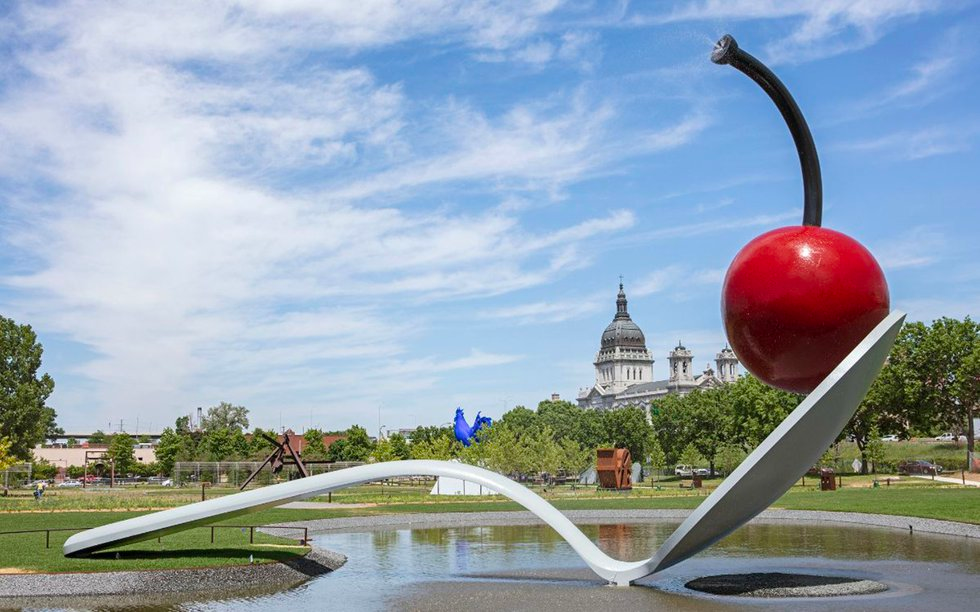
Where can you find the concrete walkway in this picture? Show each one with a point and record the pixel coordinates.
(309, 505)
(469, 519)
(948, 479)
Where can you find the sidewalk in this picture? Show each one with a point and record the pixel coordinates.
(948, 479)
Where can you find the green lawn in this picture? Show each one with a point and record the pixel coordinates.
(951, 504)
(919, 498)
(190, 548)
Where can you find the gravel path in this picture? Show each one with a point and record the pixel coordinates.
(950, 480)
(235, 578)
(466, 519)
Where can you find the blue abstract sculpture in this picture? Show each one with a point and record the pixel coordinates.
(465, 433)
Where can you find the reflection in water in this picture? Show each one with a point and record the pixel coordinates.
(433, 568)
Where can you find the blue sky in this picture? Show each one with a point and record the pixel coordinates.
(323, 209)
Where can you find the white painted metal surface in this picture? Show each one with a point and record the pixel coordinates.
(762, 478)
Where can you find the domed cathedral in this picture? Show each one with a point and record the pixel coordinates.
(624, 367)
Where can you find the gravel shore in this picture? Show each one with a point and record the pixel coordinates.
(212, 580)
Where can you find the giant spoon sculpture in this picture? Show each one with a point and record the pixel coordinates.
(805, 309)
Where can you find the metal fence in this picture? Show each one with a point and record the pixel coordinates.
(251, 531)
(17, 475)
(233, 473)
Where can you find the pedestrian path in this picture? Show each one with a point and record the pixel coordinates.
(959, 481)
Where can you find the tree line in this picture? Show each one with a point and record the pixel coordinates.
(930, 384)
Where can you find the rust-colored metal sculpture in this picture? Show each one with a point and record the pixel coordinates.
(613, 468)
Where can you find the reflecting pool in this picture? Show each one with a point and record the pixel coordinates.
(531, 568)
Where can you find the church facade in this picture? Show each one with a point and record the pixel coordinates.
(624, 367)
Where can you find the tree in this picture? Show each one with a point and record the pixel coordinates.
(757, 409)
(225, 416)
(314, 448)
(399, 446)
(25, 419)
(671, 426)
(875, 449)
(931, 380)
(98, 437)
(520, 419)
(709, 422)
(628, 428)
(691, 456)
(946, 381)
(503, 450)
(429, 433)
(564, 418)
(884, 407)
(168, 449)
(356, 446)
(183, 424)
(574, 457)
(7, 458)
(121, 452)
(260, 445)
(729, 457)
(656, 454)
(383, 451)
(217, 444)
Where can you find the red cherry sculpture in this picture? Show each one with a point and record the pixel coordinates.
(798, 299)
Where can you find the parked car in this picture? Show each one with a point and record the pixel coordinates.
(167, 483)
(702, 472)
(948, 437)
(684, 471)
(889, 438)
(70, 483)
(919, 466)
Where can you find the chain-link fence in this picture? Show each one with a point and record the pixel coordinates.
(233, 473)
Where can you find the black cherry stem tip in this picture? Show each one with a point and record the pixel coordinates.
(726, 51)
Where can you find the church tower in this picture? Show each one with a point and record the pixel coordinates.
(727, 364)
(681, 366)
(623, 359)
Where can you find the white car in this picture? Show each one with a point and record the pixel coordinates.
(70, 483)
(684, 471)
(889, 438)
(947, 437)
(702, 472)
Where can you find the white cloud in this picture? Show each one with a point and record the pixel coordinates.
(910, 145)
(919, 247)
(150, 151)
(676, 279)
(930, 309)
(716, 225)
(548, 312)
(822, 27)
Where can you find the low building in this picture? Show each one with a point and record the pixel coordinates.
(63, 457)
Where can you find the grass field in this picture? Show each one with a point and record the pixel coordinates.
(192, 548)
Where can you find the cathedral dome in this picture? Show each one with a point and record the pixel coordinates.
(622, 331)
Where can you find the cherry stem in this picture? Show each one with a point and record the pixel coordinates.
(727, 52)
